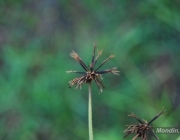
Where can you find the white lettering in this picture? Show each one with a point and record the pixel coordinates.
(167, 130)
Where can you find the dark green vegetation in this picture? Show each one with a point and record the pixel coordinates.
(36, 38)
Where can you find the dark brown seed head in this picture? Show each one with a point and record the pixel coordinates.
(142, 128)
(91, 74)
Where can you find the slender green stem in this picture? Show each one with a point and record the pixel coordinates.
(90, 115)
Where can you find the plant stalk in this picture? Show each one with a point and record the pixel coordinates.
(90, 114)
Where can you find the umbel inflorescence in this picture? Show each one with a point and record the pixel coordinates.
(142, 128)
(91, 73)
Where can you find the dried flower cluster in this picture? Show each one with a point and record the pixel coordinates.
(141, 129)
(91, 74)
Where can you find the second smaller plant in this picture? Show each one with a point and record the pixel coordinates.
(142, 128)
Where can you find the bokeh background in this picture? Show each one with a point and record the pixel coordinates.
(36, 38)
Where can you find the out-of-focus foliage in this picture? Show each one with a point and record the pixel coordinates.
(36, 38)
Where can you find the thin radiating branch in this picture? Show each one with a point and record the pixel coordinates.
(70, 71)
(77, 81)
(112, 70)
(156, 117)
(135, 137)
(77, 58)
(134, 116)
(111, 56)
(99, 84)
(80, 82)
(152, 132)
(129, 130)
(99, 54)
(93, 56)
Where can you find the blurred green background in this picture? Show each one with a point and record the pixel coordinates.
(36, 38)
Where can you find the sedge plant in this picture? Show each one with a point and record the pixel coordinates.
(91, 74)
(142, 128)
